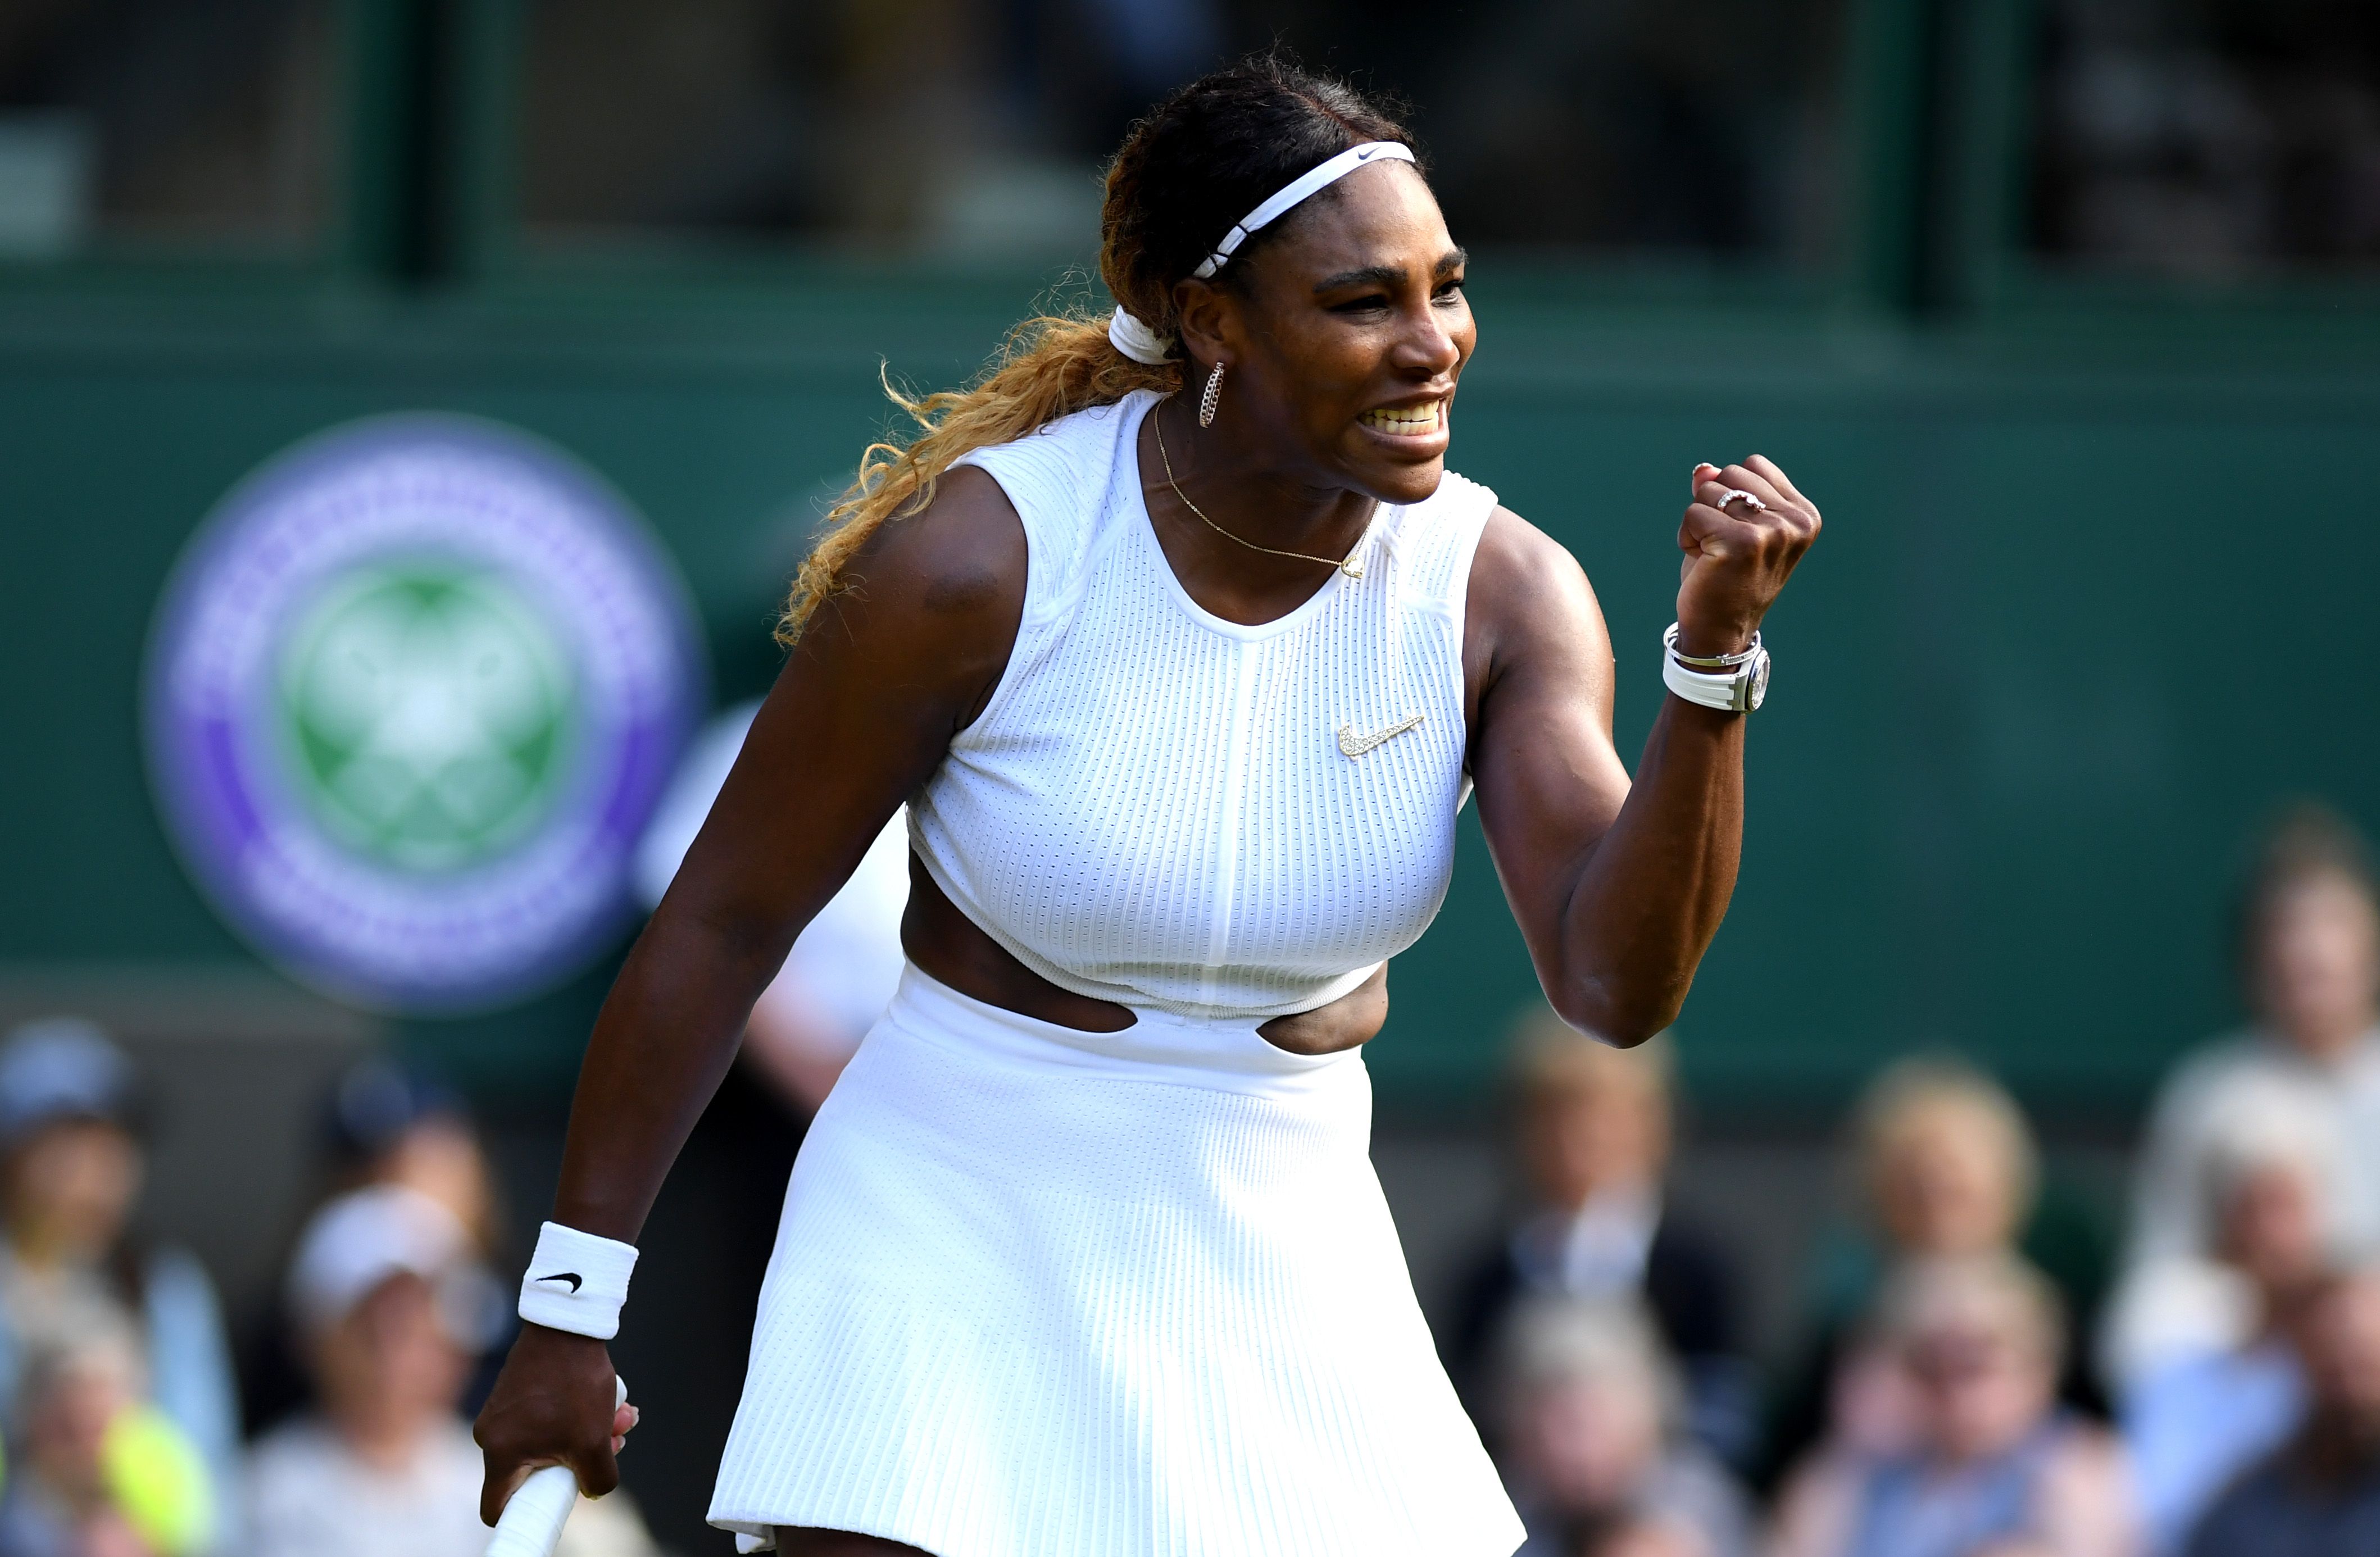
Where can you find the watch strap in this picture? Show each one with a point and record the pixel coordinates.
(1738, 690)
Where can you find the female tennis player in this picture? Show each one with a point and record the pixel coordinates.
(1185, 650)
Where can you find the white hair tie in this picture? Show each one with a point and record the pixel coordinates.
(1137, 341)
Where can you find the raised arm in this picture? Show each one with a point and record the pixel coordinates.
(1618, 888)
(887, 672)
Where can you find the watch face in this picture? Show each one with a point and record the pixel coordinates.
(1757, 693)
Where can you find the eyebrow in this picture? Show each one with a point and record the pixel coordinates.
(1388, 276)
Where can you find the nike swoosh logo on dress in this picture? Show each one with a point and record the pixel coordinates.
(1354, 745)
(570, 1277)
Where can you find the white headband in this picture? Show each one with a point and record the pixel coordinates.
(1141, 344)
(1301, 189)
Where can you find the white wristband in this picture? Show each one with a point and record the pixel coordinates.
(576, 1282)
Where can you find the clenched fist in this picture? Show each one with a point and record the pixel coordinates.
(1738, 553)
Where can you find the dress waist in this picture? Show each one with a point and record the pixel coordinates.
(1218, 1053)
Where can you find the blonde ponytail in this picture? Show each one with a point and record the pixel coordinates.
(1049, 367)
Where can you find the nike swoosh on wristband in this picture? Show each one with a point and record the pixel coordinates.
(1354, 745)
(570, 1277)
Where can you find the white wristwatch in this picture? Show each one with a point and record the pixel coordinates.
(1734, 683)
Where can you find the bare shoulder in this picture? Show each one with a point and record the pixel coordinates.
(961, 556)
(928, 608)
(1529, 598)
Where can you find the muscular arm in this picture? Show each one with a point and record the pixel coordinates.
(865, 707)
(1618, 887)
(888, 672)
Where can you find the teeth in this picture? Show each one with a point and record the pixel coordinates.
(1419, 418)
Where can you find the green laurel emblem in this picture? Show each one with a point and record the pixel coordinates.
(427, 713)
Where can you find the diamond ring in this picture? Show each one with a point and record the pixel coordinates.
(1734, 493)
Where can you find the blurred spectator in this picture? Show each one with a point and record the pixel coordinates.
(386, 1124)
(2199, 1416)
(393, 1125)
(2310, 956)
(1592, 1128)
(1591, 1452)
(101, 1472)
(1993, 1465)
(2319, 1496)
(1946, 1167)
(843, 969)
(385, 1467)
(70, 1168)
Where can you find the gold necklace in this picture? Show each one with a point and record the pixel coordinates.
(1346, 564)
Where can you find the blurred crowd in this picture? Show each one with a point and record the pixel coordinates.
(1977, 1374)
(1981, 1368)
(133, 1424)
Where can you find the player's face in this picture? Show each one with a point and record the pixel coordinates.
(1351, 331)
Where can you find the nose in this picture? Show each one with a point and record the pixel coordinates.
(1428, 349)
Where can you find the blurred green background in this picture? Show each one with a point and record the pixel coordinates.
(2095, 585)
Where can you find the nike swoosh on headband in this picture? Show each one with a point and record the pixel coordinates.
(1354, 745)
(571, 1276)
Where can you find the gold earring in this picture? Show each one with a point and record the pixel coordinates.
(1214, 393)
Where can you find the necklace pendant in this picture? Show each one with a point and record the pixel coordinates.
(1352, 568)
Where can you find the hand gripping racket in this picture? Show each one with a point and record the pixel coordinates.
(532, 1521)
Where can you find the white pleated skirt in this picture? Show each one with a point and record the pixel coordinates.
(1043, 1293)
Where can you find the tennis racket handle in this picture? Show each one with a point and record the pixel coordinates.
(532, 1525)
(532, 1520)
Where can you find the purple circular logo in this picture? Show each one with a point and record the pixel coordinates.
(412, 691)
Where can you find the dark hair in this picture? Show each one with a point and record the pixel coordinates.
(1209, 155)
(376, 1102)
(1200, 161)
(2306, 839)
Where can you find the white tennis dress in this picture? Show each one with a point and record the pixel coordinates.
(1046, 1292)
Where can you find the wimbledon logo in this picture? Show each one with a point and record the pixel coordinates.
(412, 693)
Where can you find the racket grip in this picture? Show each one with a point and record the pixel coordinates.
(532, 1520)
